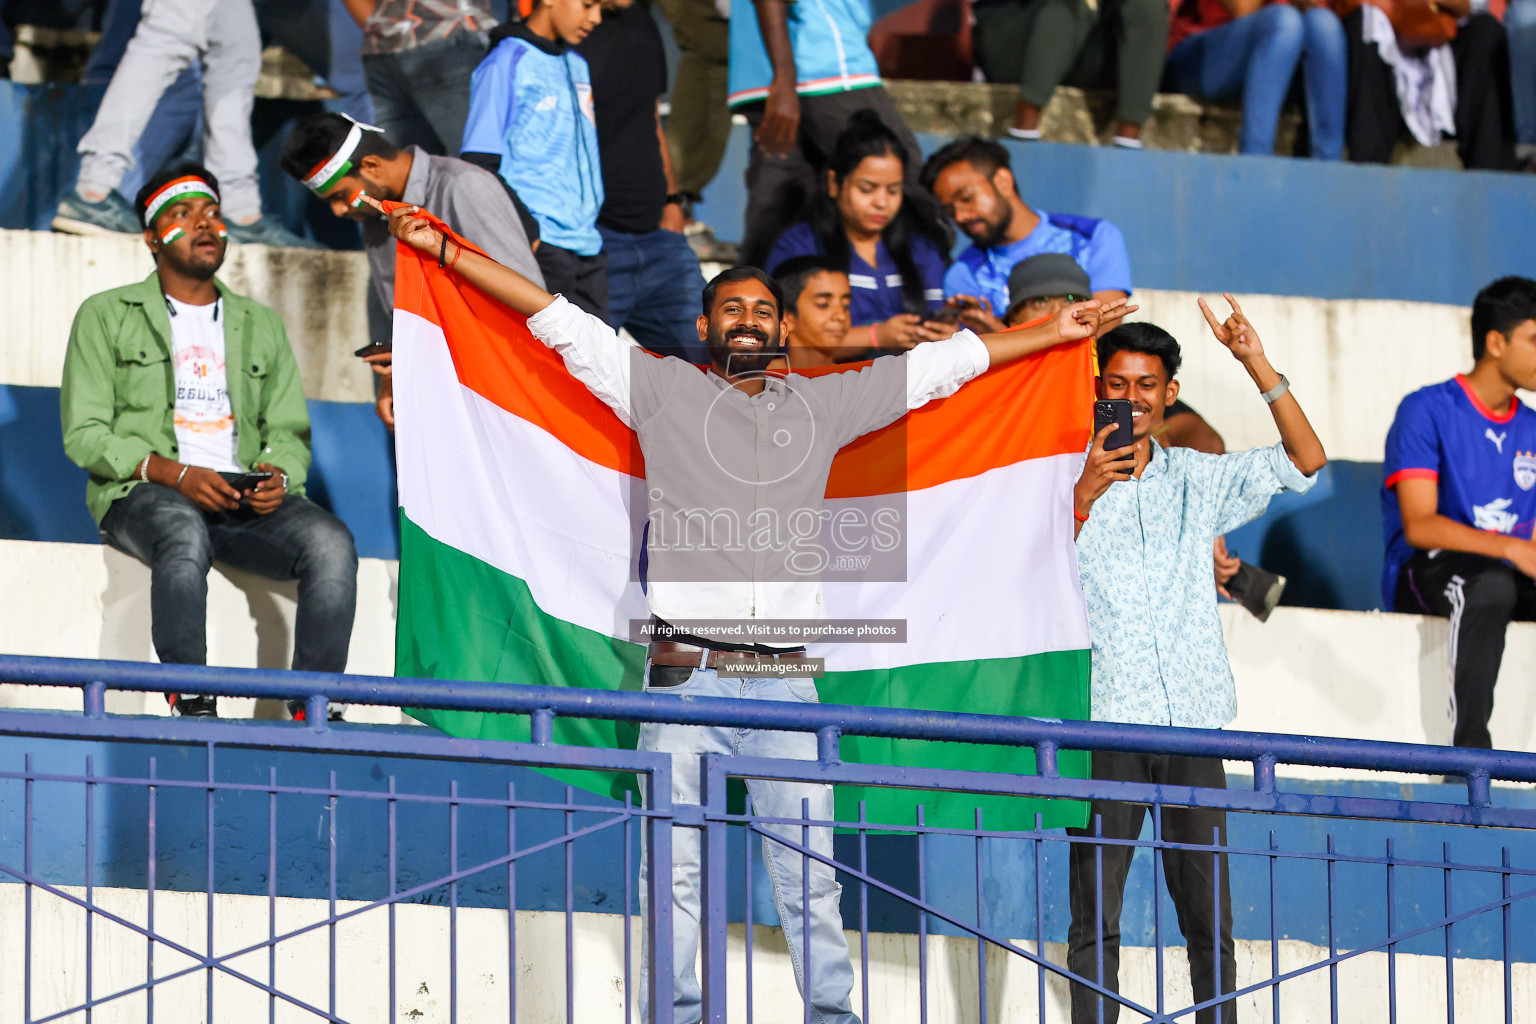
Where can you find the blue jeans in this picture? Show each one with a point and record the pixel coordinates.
(821, 927)
(1255, 57)
(1520, 24)
(421, 95)
(180, 542)
(654, 285)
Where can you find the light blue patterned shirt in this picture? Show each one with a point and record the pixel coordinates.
(1159, 657)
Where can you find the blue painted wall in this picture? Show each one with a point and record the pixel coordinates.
(42, 493)
(1269, 225)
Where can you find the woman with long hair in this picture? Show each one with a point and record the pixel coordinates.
(888, 236)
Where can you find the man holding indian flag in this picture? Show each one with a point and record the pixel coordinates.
(732, 450)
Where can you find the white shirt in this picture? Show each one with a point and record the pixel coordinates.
(205, 422)
(693, 427)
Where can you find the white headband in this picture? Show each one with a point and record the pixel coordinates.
(181, 188)
(323, 178)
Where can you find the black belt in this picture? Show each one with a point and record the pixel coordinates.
(675, 655)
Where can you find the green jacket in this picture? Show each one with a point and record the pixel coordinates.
(118, 396)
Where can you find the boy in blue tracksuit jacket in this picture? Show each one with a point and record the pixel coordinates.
(531, 121)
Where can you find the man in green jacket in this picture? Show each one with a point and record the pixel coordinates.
(175, 391)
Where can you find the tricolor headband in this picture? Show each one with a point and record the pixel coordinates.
(324, 177)
(181, 188)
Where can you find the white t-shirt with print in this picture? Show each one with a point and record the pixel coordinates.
(205, 422)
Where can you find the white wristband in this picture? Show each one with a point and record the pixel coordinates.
(1275, 392)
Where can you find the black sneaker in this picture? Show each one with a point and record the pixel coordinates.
(1257, 590)
(334, 712)
(193, 705)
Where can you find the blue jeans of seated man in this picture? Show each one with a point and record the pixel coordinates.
(1255, 57)
(817, 935)
(180, 542)
(653, 290)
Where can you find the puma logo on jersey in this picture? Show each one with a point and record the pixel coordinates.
(1497, 439)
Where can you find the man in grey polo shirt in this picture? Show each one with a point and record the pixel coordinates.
(342, 160)
(737, 445)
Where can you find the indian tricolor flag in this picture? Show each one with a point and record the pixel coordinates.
(518, 529)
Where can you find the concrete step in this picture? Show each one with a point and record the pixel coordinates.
(1086, 117)
(1361, 675)
(60, 55)
(320, 295)
(424, 976)
(92, 601)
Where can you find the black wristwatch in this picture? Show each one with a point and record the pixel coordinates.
(681, 200)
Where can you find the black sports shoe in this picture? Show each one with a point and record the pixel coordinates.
(333, 711)
(1257, 590)
(193, 705)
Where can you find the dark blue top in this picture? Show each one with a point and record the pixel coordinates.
(1483, 462)
(876, 289)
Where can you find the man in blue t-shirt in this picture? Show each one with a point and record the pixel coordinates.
(973, 182)
(1459, 500)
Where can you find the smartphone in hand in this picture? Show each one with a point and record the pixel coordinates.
(373, 350)
(243, 482)
(1116, 411)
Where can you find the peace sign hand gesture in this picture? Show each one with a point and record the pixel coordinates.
(1235, 332)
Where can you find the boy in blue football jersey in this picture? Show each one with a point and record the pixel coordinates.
(1459, 501)
(531, 121)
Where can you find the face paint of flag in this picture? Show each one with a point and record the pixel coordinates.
(171, 235)
(357, 198)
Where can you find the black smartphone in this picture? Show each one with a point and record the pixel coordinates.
(243, 482)
(946, 315)
(373, 350)
(1116, 411)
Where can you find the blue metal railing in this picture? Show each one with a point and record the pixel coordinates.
(587, 822)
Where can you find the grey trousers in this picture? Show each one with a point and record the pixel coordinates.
(223, 35)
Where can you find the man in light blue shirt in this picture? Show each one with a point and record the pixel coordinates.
(973, 182)
(1147, 517)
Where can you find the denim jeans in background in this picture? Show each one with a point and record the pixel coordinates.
(654, 284)
(1520, 24)
(421, 95)
(831, 984)
(1255, 57)
(180, 542)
